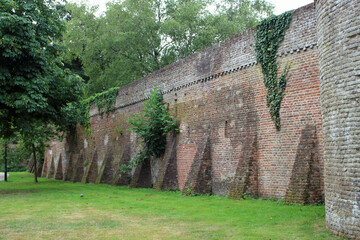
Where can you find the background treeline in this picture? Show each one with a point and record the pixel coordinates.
(18, 155)
(134, 38)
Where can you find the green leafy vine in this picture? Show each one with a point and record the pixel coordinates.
(152, 126)
(269, 34)
(79, 112)
(105, 102)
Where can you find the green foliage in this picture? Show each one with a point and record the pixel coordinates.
(269, 34)
(134, 38)
(105, 101)
(188, 26)
(79, 111)
(236, 16)
(23, 145)
(82, 55)
(17, 155)
(119, 130)
(188, 192)
(36, 140)
(86, 163)
(33, 86)
(112, 48)
(151, 126)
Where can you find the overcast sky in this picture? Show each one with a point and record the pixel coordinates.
(280, 5)
(285, 5)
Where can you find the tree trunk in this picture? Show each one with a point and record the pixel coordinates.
(5, 157)
(35, 167)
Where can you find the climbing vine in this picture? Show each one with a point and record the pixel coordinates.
(79, 112)
(269, 34)
(151, 126)
(105, 102)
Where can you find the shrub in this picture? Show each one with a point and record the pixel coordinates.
(151, 126)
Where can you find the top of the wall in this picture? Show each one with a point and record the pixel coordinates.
(232, 54)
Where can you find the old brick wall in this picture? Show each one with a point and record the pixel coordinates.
(227, 142)
(338, 29)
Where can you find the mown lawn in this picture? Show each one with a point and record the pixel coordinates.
(54, 210)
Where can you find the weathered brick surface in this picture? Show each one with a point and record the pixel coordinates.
(121, 178)
(199, 180)
(59, 170)
(142, 176)
(167, 177)
(338, 29)
(219, 93)
(304, 184)
(51, 170)
(107, 171)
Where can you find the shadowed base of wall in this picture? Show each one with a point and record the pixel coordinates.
(71, 153)
(106, 173)
(69, 169)
(123, 179)
(45, 168)
(91, 172)
(167, 176)
(59, 170)
(142, 176)
(51, 171)
(246, 176)
(305, 182)
(78, 172)
(199, 180)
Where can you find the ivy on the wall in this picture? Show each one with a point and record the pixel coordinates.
(79, 112)
(105, 102)
(269, 34)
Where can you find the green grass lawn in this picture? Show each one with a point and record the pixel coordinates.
(54, 209)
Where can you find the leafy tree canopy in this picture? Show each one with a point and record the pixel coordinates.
(134, 38)
(33, 85)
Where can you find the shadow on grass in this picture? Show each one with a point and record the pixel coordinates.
(19, 191)
(30, 187)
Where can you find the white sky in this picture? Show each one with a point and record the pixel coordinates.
(286, 5)
(280, 5)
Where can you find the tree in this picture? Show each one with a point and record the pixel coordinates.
(17, 154)
(187, 27)
(34, 88)
(115, 49)
(36, 141)
(243, 14)
(81, 31)
(28, 147)
(135, 38)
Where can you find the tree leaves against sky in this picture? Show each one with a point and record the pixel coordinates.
(134, 38)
